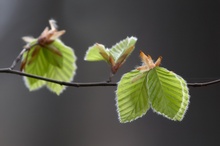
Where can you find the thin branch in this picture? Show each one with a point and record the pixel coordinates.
(204, 83)
(91, 84)
(73, 84)
(18, 58)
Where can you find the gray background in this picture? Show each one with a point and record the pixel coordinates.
(185, 32)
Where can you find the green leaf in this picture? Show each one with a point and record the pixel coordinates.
(168, 92)
(53, 55)
(132, 96)
(95, 52)
(123, 48)
(64, 73)
(50, 64)
(35, 65)
(118, 52)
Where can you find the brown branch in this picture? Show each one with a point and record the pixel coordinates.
(91, 84)
(73, 84)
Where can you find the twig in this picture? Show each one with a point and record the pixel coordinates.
(73, 84)
(110, 77)
(18, 58)
(204, 83)
(91, 84)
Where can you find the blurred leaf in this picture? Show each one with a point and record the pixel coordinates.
(115, 56)
(168, 92)
(35, 64)
(94, 53)
(53, 55)
(123, 48)
(58, 65)
(64, 73)
(132, 97)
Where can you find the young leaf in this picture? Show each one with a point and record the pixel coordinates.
(132, 96)
(36, 64)
(168, 92)
(48, 57)
(123, 48)
(151, 86)
(53, 55)
(64, 73)
(115, 56)
(45, 64)
(95, 52)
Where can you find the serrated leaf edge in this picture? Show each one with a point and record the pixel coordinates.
(117, 107)
(174, 118)
(184, 94)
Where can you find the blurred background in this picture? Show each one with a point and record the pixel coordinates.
(186, 33)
